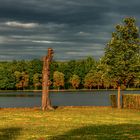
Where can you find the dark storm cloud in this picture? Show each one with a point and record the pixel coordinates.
(73, 28)
(59, 11)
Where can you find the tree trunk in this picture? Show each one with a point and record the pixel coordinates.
(119, 97)
(46, 103)
(90, 88)
(98, 87)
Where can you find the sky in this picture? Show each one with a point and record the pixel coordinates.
(75, 29)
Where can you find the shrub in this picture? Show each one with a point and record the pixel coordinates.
(131, 101)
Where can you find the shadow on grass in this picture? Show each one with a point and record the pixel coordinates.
(9, 133)
(102, 132)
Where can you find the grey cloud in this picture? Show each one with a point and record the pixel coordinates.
(74, 28)
(55, 11)
(21, 25)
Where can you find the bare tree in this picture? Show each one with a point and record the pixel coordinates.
(46, 104)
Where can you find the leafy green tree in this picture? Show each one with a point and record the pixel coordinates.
(25, 80)
(104, 77)
(98, 79)
(122, 54)
(37, 80)
(113, 84)
(7, 80)
(80, 70)
(106, 82)
(22, 79)
(58, 79)
(75, 81)
(34, 66)
(18, 77)
(20, 65)
(89, 63)
(89, 80)
(53, 67)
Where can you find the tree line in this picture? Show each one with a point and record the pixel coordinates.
(121, 62)
(28, 74)
(74, 74)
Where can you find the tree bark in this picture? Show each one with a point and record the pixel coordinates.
(46, 103)
(119, 97)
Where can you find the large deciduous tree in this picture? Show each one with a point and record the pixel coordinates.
(122, 54)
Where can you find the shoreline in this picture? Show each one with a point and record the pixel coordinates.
(71, 90)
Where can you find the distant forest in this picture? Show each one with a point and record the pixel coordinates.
(74, 74)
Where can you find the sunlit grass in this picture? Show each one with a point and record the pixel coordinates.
(87, 123)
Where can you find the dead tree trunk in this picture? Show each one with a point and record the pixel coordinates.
(46, 103)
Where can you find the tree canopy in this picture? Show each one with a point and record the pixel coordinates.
(122, 53)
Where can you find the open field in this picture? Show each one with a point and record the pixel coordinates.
(69, 123)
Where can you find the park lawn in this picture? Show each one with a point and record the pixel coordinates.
(69, 123)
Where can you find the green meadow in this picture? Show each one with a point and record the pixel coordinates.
(69, 123)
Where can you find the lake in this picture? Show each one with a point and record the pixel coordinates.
(77, 98)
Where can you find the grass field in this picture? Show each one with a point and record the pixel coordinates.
(78, 123)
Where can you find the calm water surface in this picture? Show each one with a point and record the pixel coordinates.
(33, 99)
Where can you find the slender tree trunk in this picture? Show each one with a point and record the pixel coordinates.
(98, 87)
(119, 97)
(90, 88)
(46, 103)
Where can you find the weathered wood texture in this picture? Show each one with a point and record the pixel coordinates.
(46, 104)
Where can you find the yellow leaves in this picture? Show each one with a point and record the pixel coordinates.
(58, 78)
(75, 81)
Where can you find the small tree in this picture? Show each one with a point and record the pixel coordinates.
(98, 79)
(7, 78)
(37, 80)
(18, 77)
(75, 81)
(58, 79)
(25, 79)
(22, 79)
(89, 80)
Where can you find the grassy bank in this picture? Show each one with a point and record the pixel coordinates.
(78, 123)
